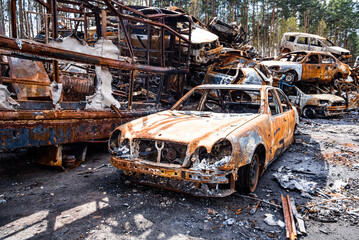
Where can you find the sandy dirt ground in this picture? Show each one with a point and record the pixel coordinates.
(95, 201)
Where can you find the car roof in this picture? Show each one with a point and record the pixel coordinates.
(307, 52)
(233, 86)
(304, 34)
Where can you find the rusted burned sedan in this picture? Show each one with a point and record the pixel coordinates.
(317, 105)
(216, 139)
(308, 66)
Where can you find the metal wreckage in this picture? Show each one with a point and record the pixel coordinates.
(85, 79)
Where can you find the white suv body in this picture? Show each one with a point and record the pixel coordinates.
(296, 41)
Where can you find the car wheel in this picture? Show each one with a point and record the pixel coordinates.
(308, 112)
(249, 175)
(290, 77)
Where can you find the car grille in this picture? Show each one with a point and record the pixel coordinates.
(338, 104)
(171, 152)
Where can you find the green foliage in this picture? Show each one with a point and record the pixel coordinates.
(322, 28)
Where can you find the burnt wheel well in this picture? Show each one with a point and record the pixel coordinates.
(261, 151)
(292, 71)
(285, 50)
(338, 75)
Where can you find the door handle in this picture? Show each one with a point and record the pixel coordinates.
(318, 67)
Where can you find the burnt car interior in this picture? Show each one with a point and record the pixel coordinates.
(222, 101)
(293, 57)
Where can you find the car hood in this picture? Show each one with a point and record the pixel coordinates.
(186, 126)
(201, 36)
(338, 49)
(329, 97)
(279, 63)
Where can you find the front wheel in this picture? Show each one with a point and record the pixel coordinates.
(308, 112)
(249, 175)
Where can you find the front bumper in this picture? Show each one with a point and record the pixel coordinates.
(203, 183)
(333, 111)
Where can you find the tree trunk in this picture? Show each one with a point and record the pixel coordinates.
(257, 26)
(263, 30)
(213, 10)
(21, 20)
(206, 11)
(272, 32)
(232, 11)
(253, 23)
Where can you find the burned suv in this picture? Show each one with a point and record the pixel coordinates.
(296, 41)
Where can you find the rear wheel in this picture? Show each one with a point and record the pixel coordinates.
(290, 77)
(249, 175)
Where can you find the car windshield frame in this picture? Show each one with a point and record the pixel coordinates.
(292, 57)
(327, 42)
(222, 100)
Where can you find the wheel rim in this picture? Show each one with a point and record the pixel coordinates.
(289, 78)
(253, 173)
(308, 112)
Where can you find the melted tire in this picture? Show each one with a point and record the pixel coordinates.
(308, 112)
(248, 175)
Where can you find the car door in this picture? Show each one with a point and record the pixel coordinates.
(329, 67)
(302, 43)
(315, 45)
(312, 69)
(289, 116)
(278, 126)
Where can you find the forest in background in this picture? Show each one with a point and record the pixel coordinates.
(264, 20)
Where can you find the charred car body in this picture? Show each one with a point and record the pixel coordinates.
(317, 105)
(215, 139)
(296, 41)
(204, 47)
(236, 67)
(308, 66)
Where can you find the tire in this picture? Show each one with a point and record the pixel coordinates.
(290, 77)
(249, 175)
(308, 112)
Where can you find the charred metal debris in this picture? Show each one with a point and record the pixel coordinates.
(79, 78)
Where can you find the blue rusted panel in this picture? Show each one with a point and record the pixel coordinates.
(17, 134)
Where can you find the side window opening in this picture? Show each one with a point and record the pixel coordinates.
(302, 40)
(290, 38)
(314, 42)
(327, 59)
(273, 103)
(313, 59)
(283, 101)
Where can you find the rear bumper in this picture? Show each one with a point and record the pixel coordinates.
(203, 183)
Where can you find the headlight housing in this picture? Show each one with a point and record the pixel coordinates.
(324, 102)
(118, 146)
(220, 155)
(115, 139)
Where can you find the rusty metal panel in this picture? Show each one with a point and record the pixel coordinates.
(20, 129)
(30, 70)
